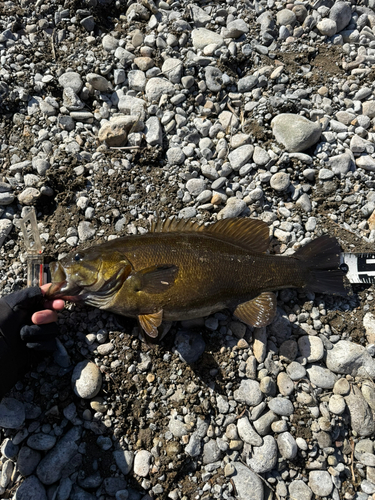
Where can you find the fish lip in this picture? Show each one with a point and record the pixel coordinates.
(63, 290)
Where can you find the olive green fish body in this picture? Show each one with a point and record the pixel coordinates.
(182, 270)
(212, 275)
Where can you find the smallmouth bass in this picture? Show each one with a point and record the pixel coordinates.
(182, 270)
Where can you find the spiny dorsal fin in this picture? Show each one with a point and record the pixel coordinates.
(251, 234)
(174, 225)
(259, 311)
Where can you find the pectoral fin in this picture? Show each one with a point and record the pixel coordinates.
(150, 323)
(156, 279)
(259, 311)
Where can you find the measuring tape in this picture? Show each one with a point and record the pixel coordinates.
(358, 267)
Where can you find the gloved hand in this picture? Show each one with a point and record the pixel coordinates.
(17, 334)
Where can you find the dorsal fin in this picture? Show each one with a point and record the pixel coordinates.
(251, 234)
(174, 225)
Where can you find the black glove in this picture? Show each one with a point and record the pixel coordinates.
(17, 334)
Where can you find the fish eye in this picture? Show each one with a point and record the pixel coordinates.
(78, 257)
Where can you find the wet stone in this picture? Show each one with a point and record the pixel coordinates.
(8, 449)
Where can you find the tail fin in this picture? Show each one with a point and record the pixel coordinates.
(322, 260)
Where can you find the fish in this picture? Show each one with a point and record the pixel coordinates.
(181, 270)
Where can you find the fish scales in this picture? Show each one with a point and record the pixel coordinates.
(209, 269)
(182, 271)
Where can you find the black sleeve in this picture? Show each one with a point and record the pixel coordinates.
(15, 358)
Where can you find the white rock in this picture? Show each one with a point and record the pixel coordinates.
(295, 132)
(311, 348)
(320, 482)
(233, 208)
(366, 162)
(156, 87)
(86, 379)
(142, 462)
(337, 404)
(202, 37)
(348, 358)
(98, 82)
(240, 156)
(29, 196)
(172, 69)
(327, 27)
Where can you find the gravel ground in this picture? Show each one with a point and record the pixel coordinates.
(113, 113)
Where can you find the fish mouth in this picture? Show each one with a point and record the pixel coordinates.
(60, 287)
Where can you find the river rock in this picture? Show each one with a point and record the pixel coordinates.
(348, 358)
(327, 27)
(142, 462)
(115, 131)
(295, 132)
(240, 156)
(50, 468)
(249, 393)
(311, 348)
(86, 379)
(31, 489)
(247, 433)
(263, 458)
(341, 14)
(245, 481)
(361, 416)
(201, 37)
(12, 413)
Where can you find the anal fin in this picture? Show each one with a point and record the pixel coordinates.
(150, 323)
(258, 312)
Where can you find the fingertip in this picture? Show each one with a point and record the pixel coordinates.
(58, 304)
(44, 317)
